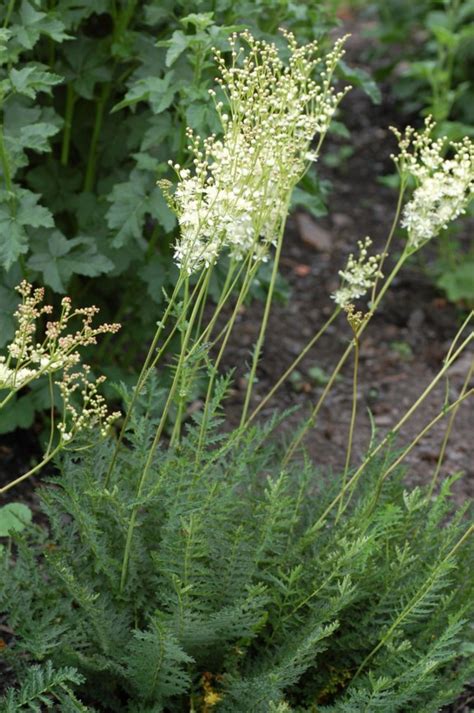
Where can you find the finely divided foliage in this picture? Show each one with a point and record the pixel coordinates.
(228, 576)
(193, 569)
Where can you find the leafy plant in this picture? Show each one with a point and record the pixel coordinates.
(94, 99)
(209, 569)
(241, 591)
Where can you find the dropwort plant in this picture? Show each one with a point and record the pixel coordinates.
(192, 570)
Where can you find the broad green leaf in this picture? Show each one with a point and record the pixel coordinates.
(459, 283)
(130, 203)
(18, 413)
(8, 303)
(33, 79)
(159, 93)
(72, 12)
(160, 210)
(313, 203)
(14, 517)
(155, 14)
(32, 23)
(17, 212)
(5, 36)
(85, 63)
(28, 127)
(36, 136)
(360, 78)
(63, 258)
(154, 274)
(199, 20)
(445, 37)
(176, 46)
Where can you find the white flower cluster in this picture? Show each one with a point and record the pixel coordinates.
(29, 359)
(238, 193)
(444, 185)
(13, 378)
(359, 275)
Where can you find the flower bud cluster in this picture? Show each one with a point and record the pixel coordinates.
(28, 358)
(444, 186)
(237, 195)
(58, 352)
(358, 277)
(86, 412)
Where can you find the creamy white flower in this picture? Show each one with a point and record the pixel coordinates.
(359, 275)
(444, 185)
(11, 378)
(237, 196)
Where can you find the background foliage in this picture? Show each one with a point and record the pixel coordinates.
(94, 100)
(425, 50)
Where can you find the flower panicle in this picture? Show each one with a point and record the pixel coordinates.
(58, 353)
(358, 277)
(443, 173)
(237, 193)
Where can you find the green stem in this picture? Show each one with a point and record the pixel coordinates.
(68, 115)
(263, 325)
(147, 366)
(424, 589)
(51, 399)
(34, 470)
(8, 15)
(181, 401)
(4, 161)
(158, 434)
(352, 481)
(294, 364)
(454, 411)
(92, 157)
(225, 335)
(294, 444)
(391, 234)
(352, 423)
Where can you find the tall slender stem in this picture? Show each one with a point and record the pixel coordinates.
(352, 422)
(452, 416)
(225, 334)
(158, 434)
(391, 234)
(264, 323)
(32, 471)
(92, 157)
(353, 480)
(424, 589)
(8, 14)
(147, 365)
(177, 424)
(310, 422)
(294, 364)
(5, 164)
(68, 114)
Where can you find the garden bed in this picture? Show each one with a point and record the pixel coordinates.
(401, 352)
